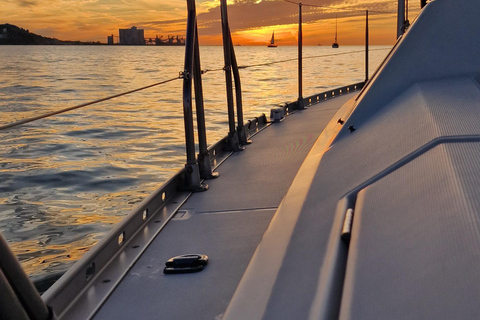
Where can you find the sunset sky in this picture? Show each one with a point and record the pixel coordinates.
(251, 21)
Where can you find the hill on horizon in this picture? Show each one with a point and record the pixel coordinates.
(13, 35)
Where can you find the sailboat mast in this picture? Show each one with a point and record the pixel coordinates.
(335, 44)
(336, 29)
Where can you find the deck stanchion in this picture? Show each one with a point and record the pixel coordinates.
(300, 66)
(400, 18)
(241, 131)
(204, 163)
(232, 138)
(366, 46)
(191, 180)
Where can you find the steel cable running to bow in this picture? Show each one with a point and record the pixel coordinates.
(292, 59)
(351, 9)
(53, 113)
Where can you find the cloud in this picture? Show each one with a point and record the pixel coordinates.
(26, 3)
(251, 14)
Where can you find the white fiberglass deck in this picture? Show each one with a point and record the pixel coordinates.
(226, 223)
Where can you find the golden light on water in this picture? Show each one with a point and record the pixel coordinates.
(36, 255)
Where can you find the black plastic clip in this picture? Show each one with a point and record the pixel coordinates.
(186, 263)
(185, 75)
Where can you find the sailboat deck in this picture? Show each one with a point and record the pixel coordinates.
(226, 223)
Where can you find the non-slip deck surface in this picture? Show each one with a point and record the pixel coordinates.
(226, 223)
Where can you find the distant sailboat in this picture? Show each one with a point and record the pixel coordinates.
(335, 44)
(272, 41)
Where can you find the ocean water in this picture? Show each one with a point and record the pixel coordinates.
(66, 180)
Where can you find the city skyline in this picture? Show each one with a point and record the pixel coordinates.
(251, 21)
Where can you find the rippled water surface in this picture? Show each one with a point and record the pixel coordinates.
(66, 180)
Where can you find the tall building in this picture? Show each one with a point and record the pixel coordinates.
(132, 36)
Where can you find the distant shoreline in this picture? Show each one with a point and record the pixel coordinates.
(13, 35)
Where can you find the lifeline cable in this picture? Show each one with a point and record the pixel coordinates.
(53, 113)
(338, 9)
(293, 59)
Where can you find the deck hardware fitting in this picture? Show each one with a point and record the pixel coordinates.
(90, 271)
(186, 263)
(242, 135)
(277, 114)
(340, 121)
(184, 75)
(121, 238)
(204, 164)
(232, 143)
(190, 179)
(347, 226)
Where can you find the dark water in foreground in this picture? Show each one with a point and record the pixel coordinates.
(65, 181)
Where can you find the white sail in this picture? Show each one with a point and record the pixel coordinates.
(272, 41)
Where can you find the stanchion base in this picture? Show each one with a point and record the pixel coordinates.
(232, 143)
(190, 180)
(242, 136)
(300, 105)
(205, 167)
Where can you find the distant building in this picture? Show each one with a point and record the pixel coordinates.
(132, 36)
(110, 39)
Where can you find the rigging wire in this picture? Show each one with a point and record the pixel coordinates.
(53, 113)
(352, 9)
(293, 59)
(309, 57)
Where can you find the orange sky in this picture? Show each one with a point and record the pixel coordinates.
(251, 21)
